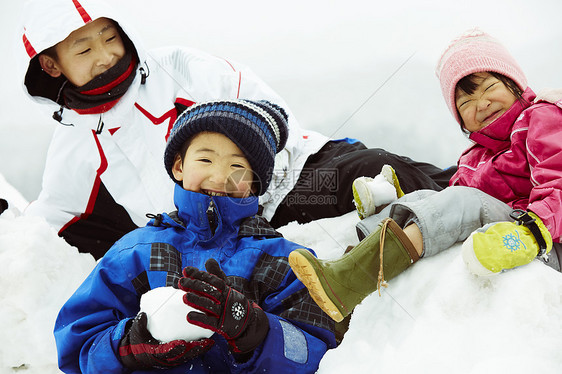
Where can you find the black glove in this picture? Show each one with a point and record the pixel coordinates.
(3, 205)
(138, 349)
(225, 310)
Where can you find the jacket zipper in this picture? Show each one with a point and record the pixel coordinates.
(211, 216)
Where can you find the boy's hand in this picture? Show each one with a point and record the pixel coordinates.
(225, 310)
(138, 349)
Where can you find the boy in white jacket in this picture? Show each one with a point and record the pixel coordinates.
(116, 103)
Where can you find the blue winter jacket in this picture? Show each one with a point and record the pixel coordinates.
(91, 324)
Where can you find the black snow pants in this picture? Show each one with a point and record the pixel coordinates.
(324, 186)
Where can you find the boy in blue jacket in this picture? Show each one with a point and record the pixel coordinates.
(221, 155)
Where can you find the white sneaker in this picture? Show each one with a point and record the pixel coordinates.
(370, 194)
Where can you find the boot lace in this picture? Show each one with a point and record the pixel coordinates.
(380, 278)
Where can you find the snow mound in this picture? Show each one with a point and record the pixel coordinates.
(437, 317)
(39, 273)
(16, 201)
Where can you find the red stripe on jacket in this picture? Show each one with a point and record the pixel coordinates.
(95, 189)
(28, 47)
(31, 52)
(85, 16)
(171, 114)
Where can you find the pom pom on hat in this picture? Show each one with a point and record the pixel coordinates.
(258, 128)
(474, 52)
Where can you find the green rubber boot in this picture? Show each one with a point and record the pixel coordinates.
(337, 286)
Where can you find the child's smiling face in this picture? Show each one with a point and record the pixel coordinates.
(86, 52)
(215, 166)
(489, 101)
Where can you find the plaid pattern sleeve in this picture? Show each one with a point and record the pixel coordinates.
(271, 276)
(257, 226)
(164, 257)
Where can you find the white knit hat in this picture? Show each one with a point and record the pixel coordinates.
(473, 52)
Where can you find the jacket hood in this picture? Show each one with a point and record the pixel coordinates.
(46, 23)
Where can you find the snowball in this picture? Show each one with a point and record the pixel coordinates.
(167, 316)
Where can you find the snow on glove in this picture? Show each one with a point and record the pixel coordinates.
(138, 349)
(225, 310)
(504, 245)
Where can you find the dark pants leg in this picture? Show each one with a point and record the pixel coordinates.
(96, 232)
(324, 186)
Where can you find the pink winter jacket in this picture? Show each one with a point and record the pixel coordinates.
(518, 160)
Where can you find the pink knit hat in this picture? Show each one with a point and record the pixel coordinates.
(474, 52)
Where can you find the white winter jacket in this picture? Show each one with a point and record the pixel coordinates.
(126, 156)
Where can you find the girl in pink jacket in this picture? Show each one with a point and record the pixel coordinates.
(504, 201)
(517, 152)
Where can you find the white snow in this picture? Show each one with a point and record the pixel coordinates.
(166, 314)
(39, 273)
(339, 66)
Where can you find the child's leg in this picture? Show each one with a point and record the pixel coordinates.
(370, 224)
(324, 187)
(337, 286)
(449, 216)
(414, 233)
(435, 219)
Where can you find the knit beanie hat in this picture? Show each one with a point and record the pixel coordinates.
(474, 52)
(258, 128)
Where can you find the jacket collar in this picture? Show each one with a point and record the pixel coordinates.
(496, 136)
(194, 209)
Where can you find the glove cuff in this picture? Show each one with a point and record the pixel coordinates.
(537, 228)
(254, 334)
